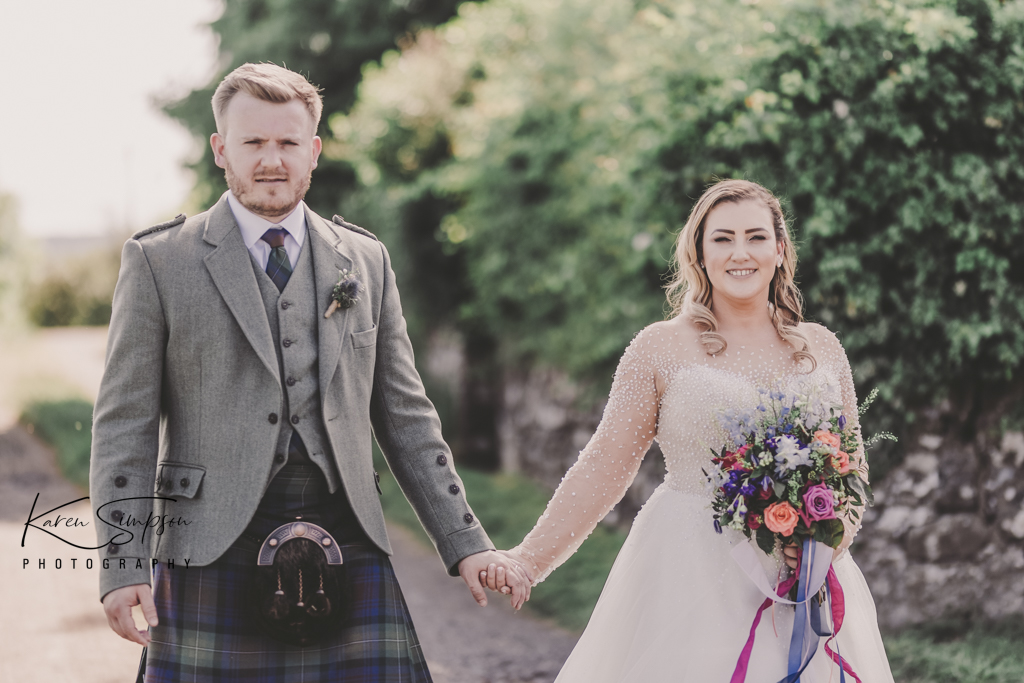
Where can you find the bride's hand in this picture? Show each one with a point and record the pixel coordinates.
(518, 565)
(791, 553)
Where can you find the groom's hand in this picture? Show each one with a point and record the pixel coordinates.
(118, 605)
(475, 570)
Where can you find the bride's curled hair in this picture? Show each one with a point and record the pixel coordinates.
(689, 292)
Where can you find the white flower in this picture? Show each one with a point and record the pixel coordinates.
(789, 455)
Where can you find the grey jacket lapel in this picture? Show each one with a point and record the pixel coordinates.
(328, 259)
(230, 268)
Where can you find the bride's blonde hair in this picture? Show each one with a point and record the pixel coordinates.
(689, 292)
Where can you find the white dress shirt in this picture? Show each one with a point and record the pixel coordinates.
(253, 227)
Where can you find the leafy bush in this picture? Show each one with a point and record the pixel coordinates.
(951, 652)
(74, 290)
(67, 426)
(567, 142)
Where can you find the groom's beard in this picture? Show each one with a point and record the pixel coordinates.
(275, 200)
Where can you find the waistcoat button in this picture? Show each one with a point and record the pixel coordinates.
(290, 381)
(286, 343)
(441, 460)
(468, 517)
(454, 488)
(120, 481)
(272, 418)
(295, 419)
(279, 457)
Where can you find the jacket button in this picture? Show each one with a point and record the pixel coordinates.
(468, 517)
(442, 460)
(116, 515)
(285, 305)
(272, 418)
(113, 549)
(295, 419)
(184, 482)
(454, 488)
(286, 343)
(120, 481)
(279, 457)
(290, 381)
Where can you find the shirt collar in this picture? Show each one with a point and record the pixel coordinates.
(253, 226)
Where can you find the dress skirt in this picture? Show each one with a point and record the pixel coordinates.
(207, 632)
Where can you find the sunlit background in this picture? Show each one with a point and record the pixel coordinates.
(528, 163)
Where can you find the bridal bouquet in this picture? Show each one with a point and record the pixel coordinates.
(786, 476)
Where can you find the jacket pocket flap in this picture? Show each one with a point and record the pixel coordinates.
(365, 338)
(178, 480)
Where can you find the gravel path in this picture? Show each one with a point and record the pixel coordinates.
(53, 627)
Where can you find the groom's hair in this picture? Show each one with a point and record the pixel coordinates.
(268, 82)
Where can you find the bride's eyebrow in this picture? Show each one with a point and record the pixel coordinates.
(733, 232)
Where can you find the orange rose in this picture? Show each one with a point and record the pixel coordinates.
(828, 438)
(781, 518)
(841, 461)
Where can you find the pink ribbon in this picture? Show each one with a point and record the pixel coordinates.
(740, 673)
(838, 601)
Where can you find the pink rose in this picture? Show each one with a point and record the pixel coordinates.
(819, 503)
(841, 461)
(781, 518)
(828, 438)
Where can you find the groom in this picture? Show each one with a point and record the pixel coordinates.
(224, 376)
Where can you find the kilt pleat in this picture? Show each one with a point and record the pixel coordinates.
(207, 632)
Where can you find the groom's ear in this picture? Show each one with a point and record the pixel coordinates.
(217, 145)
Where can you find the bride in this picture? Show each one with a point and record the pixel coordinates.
(676, 606)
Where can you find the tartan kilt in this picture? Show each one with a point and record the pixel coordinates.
(207, 633)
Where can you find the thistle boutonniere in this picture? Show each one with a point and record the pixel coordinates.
(346, 292)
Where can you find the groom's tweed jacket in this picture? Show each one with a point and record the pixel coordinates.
(192, 398)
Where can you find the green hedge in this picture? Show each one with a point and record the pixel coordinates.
(67, 426)
(536, 158)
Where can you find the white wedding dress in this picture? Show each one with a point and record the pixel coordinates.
(676, 606)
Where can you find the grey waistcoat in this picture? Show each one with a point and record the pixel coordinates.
(293, 318)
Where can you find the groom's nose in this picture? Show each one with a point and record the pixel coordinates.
(271, 159)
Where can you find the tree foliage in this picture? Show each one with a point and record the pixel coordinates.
(567, 142)
(328, 41)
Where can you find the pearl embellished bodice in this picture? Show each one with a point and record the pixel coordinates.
(667, 387)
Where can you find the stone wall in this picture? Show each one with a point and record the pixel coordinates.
(946, 534)
(945, 537)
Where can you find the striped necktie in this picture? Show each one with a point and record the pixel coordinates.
(279, 268)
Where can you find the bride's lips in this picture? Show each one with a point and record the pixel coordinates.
(742, 272)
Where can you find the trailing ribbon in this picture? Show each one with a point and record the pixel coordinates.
(838, 602)
(815, 570)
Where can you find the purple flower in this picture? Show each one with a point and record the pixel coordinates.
(819, 503)
(842, 422)
(718, 527)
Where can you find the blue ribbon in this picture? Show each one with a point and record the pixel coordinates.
(807, 631)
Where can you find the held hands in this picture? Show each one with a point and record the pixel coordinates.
(493, 570)
(118, 606)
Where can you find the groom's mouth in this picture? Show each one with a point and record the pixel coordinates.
(271, 180)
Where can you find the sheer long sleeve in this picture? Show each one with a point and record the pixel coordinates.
(853, 515)
(605, 468)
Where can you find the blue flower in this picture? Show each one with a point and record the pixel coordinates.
(718, 527)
